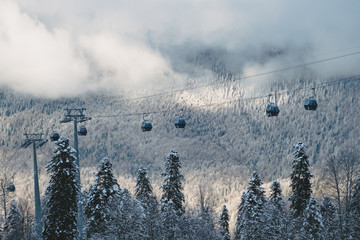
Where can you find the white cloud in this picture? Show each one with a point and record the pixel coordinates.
(67, 47)
(55, 62)
(123, 62)
(36, 60)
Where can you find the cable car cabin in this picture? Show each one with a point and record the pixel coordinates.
(10, 187)
(146, 126)
(272, 110)
(54, 136)
(310, 104)
(82, 131)
(180, 123)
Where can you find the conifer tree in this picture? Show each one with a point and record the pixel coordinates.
(143, 188)
(313, 227)
(100, 195)
(63, 192)
(355, 210)
(143, 193)
(1, 229)
(152, 220)
(330, 219)
(206, 227)
(27, 218)
(172, 186)
(224, 224)
(276, 214)
(250, 221)
(300, 181)
(127, 218)
(170, 222)
(13, 224)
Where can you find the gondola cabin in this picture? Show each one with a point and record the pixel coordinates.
(82, 131)
(146, 126)
(10, 187)
(54, 136)
(310, 104)
(180, 123)
(272, 110)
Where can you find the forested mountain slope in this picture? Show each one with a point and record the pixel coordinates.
(227, 134)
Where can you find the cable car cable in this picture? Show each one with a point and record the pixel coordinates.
(321, 85)
(165, 91)
(7, 161)
(242, 78)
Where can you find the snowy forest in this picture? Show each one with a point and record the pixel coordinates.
(216, 120)
(111, 212)
(212, 185)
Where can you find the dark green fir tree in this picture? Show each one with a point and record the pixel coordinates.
(144, 194)
(330, 219)
(127, 220)
(13, 224)
(224, 224)
(63, 193)
(143, 188)
(172, 184)
(250, 222)
(300, 181)
(276, 215)
(100, 196)
(313, 227)
(355, 210)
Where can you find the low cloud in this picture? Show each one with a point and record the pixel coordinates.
(34, 59)
(55, 62)
(57, 48)
(126, 63)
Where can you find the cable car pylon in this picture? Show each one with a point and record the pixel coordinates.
(77, 116)
(36, 140)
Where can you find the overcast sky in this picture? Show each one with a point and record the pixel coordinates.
(56, 48)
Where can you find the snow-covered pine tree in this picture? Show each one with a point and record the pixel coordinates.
(355, 210)
(143, 193)
(1, 229)
(152, 219)
(44, 210)
(250, 221)
(206, 229)
(330, 219)
(170, 222)
(188, 224)
(224, 224)
(205, 226)
(63, 192)
(276, 214)
(27, 218)
(99, 197)
(172, 186)
(143, 188)
(127, 218)
(313, 228)
(300, 181)
(13, 224)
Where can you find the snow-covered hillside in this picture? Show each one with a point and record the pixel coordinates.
(226, 137)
